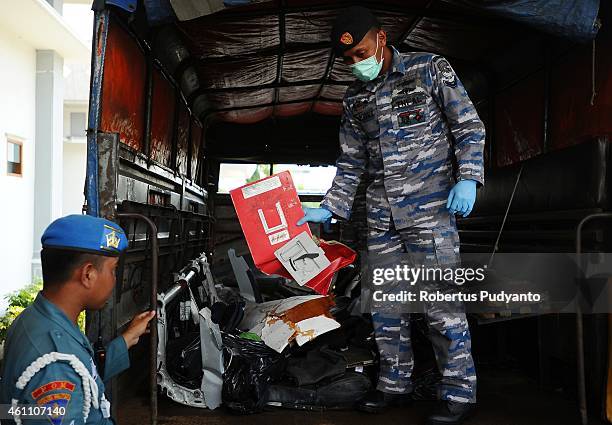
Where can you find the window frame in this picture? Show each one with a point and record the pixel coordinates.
(83, 133)
(15, 141)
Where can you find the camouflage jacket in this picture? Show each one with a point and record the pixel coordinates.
(416, 132)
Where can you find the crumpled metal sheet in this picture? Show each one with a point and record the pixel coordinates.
(280, 322)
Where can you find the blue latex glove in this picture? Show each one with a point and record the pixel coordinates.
(462, 197)
(315, 215)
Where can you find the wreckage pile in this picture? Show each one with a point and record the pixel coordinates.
(284, 330)
(259, 342)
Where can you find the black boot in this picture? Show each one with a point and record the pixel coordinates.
(451, 413)
(376, 400)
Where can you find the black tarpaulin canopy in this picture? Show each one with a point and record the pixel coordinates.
(252, 61)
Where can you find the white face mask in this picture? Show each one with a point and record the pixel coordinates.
(369, 68)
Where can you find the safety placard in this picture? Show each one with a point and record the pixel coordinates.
(268, 210)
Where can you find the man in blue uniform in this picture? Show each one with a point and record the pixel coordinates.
(409, 123)
(48, 361)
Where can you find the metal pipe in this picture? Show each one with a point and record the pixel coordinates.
(153, 323)
(582, 403)
(181, 283)
(173, 292)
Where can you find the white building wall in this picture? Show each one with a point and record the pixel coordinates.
(76, 95)
(17, 117)
(75, 157)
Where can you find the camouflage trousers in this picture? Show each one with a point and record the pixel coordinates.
(448, 327)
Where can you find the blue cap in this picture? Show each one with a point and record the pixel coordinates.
(85, 233)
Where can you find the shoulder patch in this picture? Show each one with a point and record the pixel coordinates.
(52, 386)
(447, 75)
(55, 404)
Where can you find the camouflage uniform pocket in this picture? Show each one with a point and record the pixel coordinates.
(446, 245)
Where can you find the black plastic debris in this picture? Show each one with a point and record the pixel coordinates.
(315, 366)
(250, 367)
(334, 393)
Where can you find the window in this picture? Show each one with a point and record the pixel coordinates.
(308, 180)
(14, 157)
(78, 124)
(232, 176)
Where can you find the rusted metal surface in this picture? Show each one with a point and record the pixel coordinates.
(573, 118)
(519, 121)
(101, 21)
(196, 149)
(182, 138)
(162, 121)
(123, 88)
(102, 324)
(108, 156)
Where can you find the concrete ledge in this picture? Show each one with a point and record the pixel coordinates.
(40, 25)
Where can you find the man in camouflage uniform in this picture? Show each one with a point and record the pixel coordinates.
(410, 124)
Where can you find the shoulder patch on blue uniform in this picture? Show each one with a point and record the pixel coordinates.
(447, 75)
(56, 404)
(52, 386)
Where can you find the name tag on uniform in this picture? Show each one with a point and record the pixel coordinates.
(412, 117)
(409, 100)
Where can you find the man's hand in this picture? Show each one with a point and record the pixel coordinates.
(137, 327)
(462, 197)
(315, 215)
